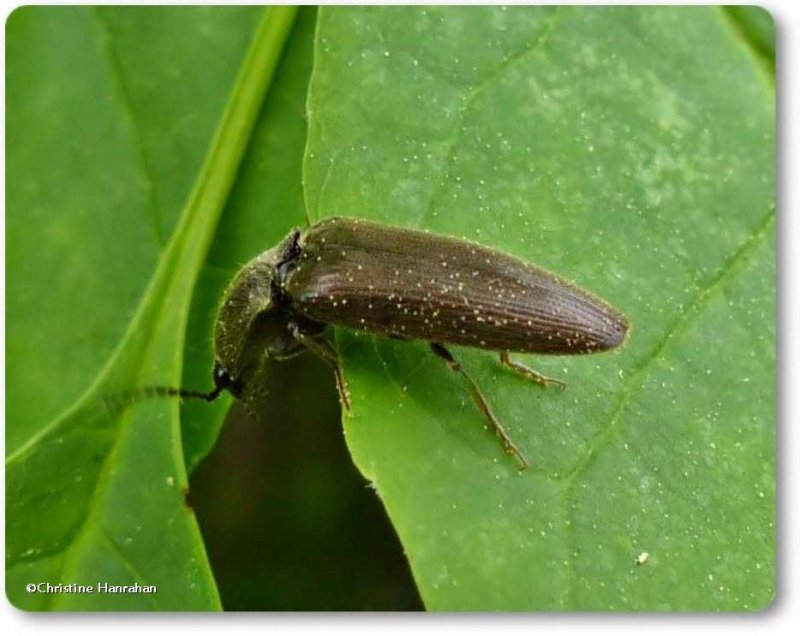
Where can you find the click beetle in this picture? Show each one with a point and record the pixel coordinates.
(399, 283)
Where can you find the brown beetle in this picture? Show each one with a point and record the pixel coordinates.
(400, 283)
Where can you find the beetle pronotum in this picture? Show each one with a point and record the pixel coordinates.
(399, 283)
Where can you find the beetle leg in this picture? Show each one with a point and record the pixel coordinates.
(323, 349)
(526, 372)
(483, 405)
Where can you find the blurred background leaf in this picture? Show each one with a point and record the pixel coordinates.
(104, 146)
(632, 150)
(116, 180)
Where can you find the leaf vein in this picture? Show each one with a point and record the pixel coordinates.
(468, 101)
(570, 478)
(136, 134)
(700, 300)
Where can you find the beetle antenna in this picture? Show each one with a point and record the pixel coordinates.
(168, 391)
(120, 401)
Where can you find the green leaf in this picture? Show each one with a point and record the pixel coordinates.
(632, 150)
(647, 133)
(116, 117)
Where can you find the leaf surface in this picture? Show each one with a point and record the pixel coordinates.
(631, 150)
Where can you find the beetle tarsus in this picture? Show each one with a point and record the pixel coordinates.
(527, 372)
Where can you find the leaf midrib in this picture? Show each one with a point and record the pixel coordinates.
(181, 260)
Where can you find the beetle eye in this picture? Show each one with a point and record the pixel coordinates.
(222, 379)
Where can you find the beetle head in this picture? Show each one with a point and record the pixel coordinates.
(251, 320)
